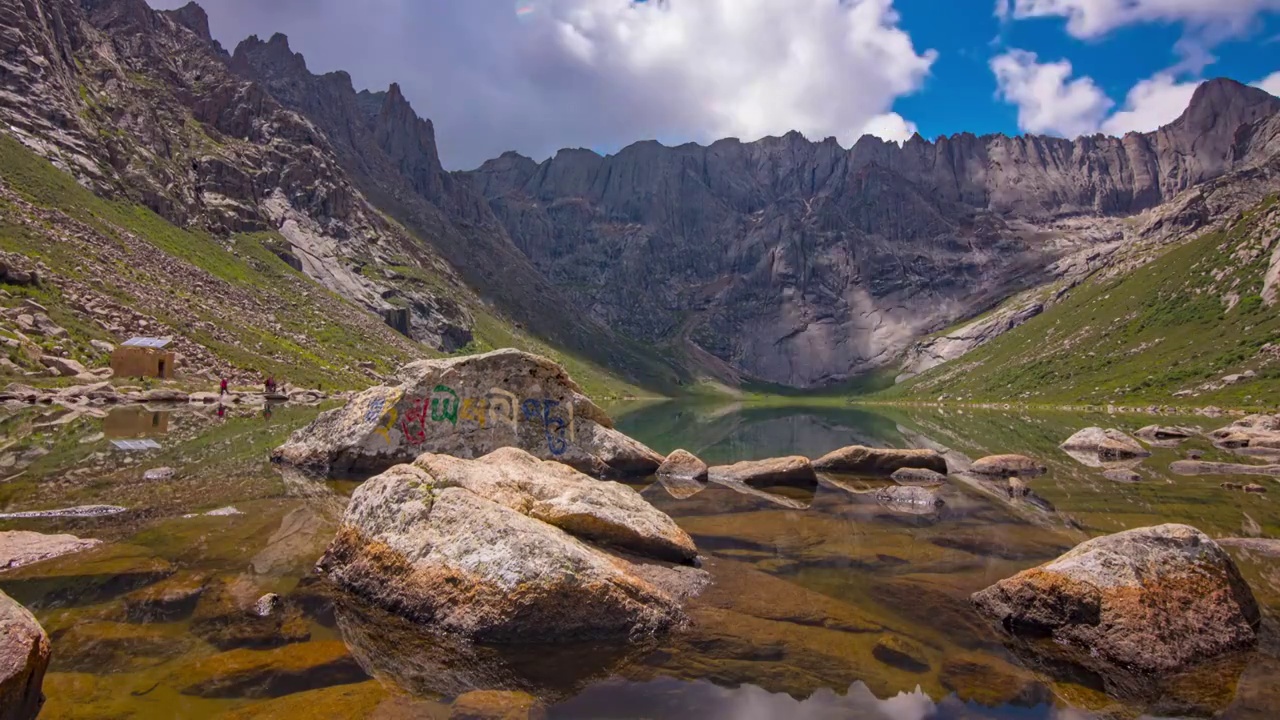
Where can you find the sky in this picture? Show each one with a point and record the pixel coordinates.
(536, 76)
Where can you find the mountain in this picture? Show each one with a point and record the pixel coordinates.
(804, 264)
(144, 107)
(273, 195)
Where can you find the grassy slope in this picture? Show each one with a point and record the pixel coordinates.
(1137, 338)
(321, 343)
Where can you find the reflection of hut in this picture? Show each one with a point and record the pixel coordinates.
(144, 357)
(135, 423)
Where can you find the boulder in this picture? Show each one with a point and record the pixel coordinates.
(684, 465)
(24, 657)
(1253, 431)
(508, 548)
(160, 473)
(19, 547)
(1107, 444)
(859, 460)
(1155, 600)
(64, 367)
(917, 476)
(165, 395)
(468, 407)
(1007, 466)
(1160, 432)
(776, 471)
(103, 347)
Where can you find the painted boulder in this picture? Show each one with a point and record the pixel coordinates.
(468, 407)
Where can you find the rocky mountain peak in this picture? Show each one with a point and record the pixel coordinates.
(273, 58)
(1225, 102)
(194, 18)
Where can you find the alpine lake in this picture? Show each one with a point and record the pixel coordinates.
(825, 603)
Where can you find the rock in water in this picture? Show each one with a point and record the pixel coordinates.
(775, 471)
(468, 407)
(20, 547)
(910, 498)
(1109, 444)
(509, 549)
(684, 465)
(1156, 599)
(859, 460)
(1008, 466)
(917, 476)
(24, 657)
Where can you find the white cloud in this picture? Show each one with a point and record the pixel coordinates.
(1206, 23)
(889, 126)
(1093, 18)
(604, 73)
(1270, 83)
(1150, 104)
(1048, 99)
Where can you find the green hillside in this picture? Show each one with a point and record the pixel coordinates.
(233, 297)
(1168, 332)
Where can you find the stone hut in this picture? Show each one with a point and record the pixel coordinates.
(144, 357)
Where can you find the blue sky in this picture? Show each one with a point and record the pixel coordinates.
(961, 92)
(539, 75)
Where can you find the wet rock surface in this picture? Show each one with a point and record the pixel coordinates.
(24, 657)
(269, 673)
(18, 547)
(501, 549)
(917, 476)
(1155, 599)
(468, 407)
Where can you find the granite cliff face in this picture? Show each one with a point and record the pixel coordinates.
(803, 263)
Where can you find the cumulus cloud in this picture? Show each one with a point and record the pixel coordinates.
(1206, 23)
(1048, 99)
(604, 73)
(1270, 83)
(1153, 102)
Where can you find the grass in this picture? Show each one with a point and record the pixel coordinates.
(1167, 327)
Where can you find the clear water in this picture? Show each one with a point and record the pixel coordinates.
(812, 583)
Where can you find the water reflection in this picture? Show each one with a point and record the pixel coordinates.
(827, 600)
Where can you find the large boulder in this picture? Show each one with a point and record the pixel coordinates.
(859, 460)
(1253, 431)
(468, 407)
(1154, 600)
(24, 657)
(774, 471)
(1107, 444)
(684, 465)
(508, 548)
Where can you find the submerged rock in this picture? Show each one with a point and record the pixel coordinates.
(24, 657)
(72, 512)
(683, 465)
(1201, 467)
(910, 498)
(508, 548)
(917, 476)
(19, 547)
(859, 460)
(268, 673)
(1122, 475)
(1110, 444)
(468, 407)
(1160, 432)
(897, 651)
(497, 705)
(681, 488)
(1156, 599)
(1007, 465)
(775, 471)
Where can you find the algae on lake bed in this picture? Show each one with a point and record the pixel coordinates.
(825, 600)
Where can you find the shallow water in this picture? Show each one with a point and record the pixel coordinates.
(814, 584)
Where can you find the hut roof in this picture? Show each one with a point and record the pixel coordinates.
(147, 342)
